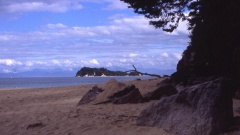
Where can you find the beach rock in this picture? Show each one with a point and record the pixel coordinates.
(90, 95)
(111, 87)
(130, 94)
(165, 81)
(165, 88)
(35, 125)
(180, 87)
(202, 109)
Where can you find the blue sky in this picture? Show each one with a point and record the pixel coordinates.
(61, 36)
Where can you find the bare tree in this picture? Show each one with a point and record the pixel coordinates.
(136, 71)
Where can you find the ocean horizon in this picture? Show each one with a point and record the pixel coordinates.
(45, 82)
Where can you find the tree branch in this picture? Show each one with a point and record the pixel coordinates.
(135, 70)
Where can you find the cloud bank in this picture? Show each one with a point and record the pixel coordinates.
(16, 6)
(122, 41)
(23, 6)
(126, 41)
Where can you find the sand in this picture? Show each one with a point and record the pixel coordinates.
(54, 111)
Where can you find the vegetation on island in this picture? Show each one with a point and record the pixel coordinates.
(87, 71)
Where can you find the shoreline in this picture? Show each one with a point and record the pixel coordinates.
(54, 111)
(50, 87)
(49, 82)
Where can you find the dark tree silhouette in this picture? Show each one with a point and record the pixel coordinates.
(214, 49)
(166, 14)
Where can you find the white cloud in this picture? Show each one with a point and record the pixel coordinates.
(116, 4)
(93, 61)
(178, 55)
(4, 37)
(29, 64)
(109, 4)
(165, 54)
(181, 29)
(143, 60)
(7, 37)
(102, 40)
(109, 64)
(125, 41)
(56, 26)
(123, 60)
(5, 71)
(56, 62)
(15, 6)
(126, 30)
(10, 62)
(43, 63)
(133, 55)
(67, 62)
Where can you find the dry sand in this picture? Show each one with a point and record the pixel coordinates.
(53, 111)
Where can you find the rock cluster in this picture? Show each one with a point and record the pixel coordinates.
(202, 109)
(119, 93)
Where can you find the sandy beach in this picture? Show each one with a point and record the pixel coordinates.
(54, 111)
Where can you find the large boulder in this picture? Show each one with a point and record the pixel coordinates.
(130, 94)
(165, 88)
(90, 95)
(201, 109)
(111, 87)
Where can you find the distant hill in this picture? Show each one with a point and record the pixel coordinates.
(86, 71)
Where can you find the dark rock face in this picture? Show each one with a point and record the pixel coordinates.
(237, 94)
(201, 109)
(165, 88)
(130, 94)
(90, 95)
(235, 128)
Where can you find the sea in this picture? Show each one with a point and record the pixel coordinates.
(44, 82)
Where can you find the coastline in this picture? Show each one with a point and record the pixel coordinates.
(48, 82)
(54, 111)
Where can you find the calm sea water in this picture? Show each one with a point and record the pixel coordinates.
(43, 82)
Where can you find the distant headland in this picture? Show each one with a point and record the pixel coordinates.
(91, 72)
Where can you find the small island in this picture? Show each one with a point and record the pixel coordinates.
(91, 72)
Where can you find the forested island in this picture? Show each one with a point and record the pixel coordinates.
(90, 72)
